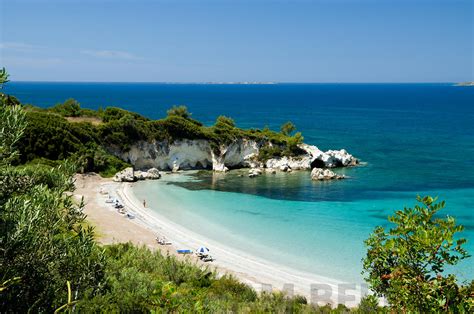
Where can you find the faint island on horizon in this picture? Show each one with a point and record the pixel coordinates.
(465, 84)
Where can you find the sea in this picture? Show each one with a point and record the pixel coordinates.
(412, 139)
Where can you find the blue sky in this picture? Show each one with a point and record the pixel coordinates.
(200, 41)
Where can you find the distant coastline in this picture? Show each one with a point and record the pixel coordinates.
(464, 84)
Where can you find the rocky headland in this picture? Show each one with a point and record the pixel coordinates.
(116, 141)
(199, 154)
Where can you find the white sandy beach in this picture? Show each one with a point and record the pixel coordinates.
(113, 227)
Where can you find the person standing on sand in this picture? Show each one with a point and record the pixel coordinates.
(144, 203)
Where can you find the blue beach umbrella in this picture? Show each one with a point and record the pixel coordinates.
(203, 250)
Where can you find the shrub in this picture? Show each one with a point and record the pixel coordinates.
(179, 111)
(114, 114)
(406, 264)
(225, 122)
(70, 108)
(268, 152)
(287, 128)
(52, 137)
(96, 159)
(177, 127)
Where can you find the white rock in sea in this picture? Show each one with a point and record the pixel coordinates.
(284, 168)
(333, 159)
(175, 167)
(129, 175)
(126, 175)
(140, 175)
(324, 174)
(255, 172)
(153, 174)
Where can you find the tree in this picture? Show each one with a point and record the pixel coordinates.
(70, 108)
(406, 264)
(223, 121)
(181, 111)
(12, 125)
(292, 145)
(287, 128)
(44, 241)
(3, 77)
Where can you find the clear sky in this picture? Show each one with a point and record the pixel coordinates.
(202, 40)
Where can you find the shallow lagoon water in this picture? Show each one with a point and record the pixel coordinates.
(321, 237)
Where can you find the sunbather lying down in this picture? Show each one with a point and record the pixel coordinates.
(162, 241)
(207, 258)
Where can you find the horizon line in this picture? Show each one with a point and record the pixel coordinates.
(237, 82)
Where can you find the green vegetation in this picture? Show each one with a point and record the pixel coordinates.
(180, 111)
(162, 283)
(406, 264)
(68, 131)
(50, 261)
(287, 128)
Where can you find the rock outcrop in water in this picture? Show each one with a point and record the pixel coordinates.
(324, 174)
(129, 175)
(198, 154)
(254, 172)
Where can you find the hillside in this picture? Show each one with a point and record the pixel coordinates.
(96, 138)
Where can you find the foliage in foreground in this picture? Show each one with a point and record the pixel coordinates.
(406, 264)
(43, 239)
(163, 283)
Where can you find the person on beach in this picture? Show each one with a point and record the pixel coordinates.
(144, 203)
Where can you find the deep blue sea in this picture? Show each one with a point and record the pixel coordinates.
(413, 139)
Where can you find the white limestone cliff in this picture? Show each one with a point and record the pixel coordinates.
(198, 154)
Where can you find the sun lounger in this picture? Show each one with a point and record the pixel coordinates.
(109, 200)
(162, 241)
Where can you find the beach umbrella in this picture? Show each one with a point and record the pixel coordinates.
(203, 250)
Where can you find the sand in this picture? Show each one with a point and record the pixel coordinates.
(262, 275)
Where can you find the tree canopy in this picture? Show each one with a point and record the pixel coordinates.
(180, 111)
(287, 128)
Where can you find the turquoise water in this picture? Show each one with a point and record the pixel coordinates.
(414, 139)
(323, 237)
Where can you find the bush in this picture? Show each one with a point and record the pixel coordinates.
(406, 264)
(70, 108)
(114, 114)
(177, 127)
(44, 241)
(179, 111)
(268, 152)
(225, 122)
(96, 159)
(123, 132)
(52, 137)
(287, 128)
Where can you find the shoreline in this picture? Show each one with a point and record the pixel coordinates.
(261, 274)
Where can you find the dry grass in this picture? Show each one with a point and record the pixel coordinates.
(92, 120)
